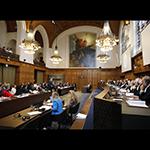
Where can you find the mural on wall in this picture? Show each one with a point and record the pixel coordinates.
(82, 50)
(125, 41)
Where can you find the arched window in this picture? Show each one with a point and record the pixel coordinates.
(140, 25)
(137, 36)
(38, 56)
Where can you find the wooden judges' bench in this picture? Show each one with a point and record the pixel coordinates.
(109, 114)
(13, 105)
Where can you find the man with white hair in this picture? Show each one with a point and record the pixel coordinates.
(145, 90)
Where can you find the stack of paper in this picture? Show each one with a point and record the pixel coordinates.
(137, 103)
(23, 95)
(123, 90)
(117, 100)
(45, 107)
(34, 113)
(81, 116)
(129, 94)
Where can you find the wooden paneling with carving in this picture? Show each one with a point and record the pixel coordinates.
(138, 64)
(138, 68)
(83, 76)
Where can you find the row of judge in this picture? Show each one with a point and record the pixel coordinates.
(140, 87)
(144, 93)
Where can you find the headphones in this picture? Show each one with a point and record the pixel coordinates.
(18, 115)
(25, 118)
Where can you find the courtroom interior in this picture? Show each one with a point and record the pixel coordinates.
(74, 74)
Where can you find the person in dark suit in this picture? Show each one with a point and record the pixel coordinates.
(89, 88)
(73, 99)
(145, 90)
(138, 83)
(99, 89)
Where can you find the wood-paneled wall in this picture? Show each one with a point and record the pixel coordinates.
(24, 71)
(80, 76)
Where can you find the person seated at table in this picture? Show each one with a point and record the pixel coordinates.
(89, 87)
(145, 90)
(4, 91)
(19, 89)
(73, 99)
(13, 89)
(99, 88)
(138, 83)
(57, 104)
(1, 91)
(25, 88)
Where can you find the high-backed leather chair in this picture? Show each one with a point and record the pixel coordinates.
(61, 119)
(73, 111)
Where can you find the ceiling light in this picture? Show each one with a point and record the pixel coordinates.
(106, 40)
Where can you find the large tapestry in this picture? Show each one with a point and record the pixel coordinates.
(82, 49)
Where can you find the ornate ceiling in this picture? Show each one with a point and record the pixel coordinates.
(54, 30)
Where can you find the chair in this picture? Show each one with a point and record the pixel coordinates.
(61, 118)
(73, 111)
(37, 122)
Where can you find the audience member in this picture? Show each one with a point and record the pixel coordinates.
(57, 107)
(13, 89)
(145, 90)
(73, 99)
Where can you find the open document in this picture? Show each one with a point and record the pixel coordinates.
(81, 116)
(137, 103)
(34, 113)
(45, 107)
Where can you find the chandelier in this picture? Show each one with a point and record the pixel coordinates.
(55, 58)
(29, 45)
(106, 40)
(103, 58)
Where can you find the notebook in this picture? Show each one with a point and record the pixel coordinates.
(137, 103)
(81, 116)
(34, 113)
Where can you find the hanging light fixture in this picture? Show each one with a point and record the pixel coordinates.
(103, 58)
(29, 45)
(106, 40)
(56, 58)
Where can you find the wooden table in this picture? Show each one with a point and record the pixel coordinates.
(16, 104)
(112, 115)
(14, 122)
